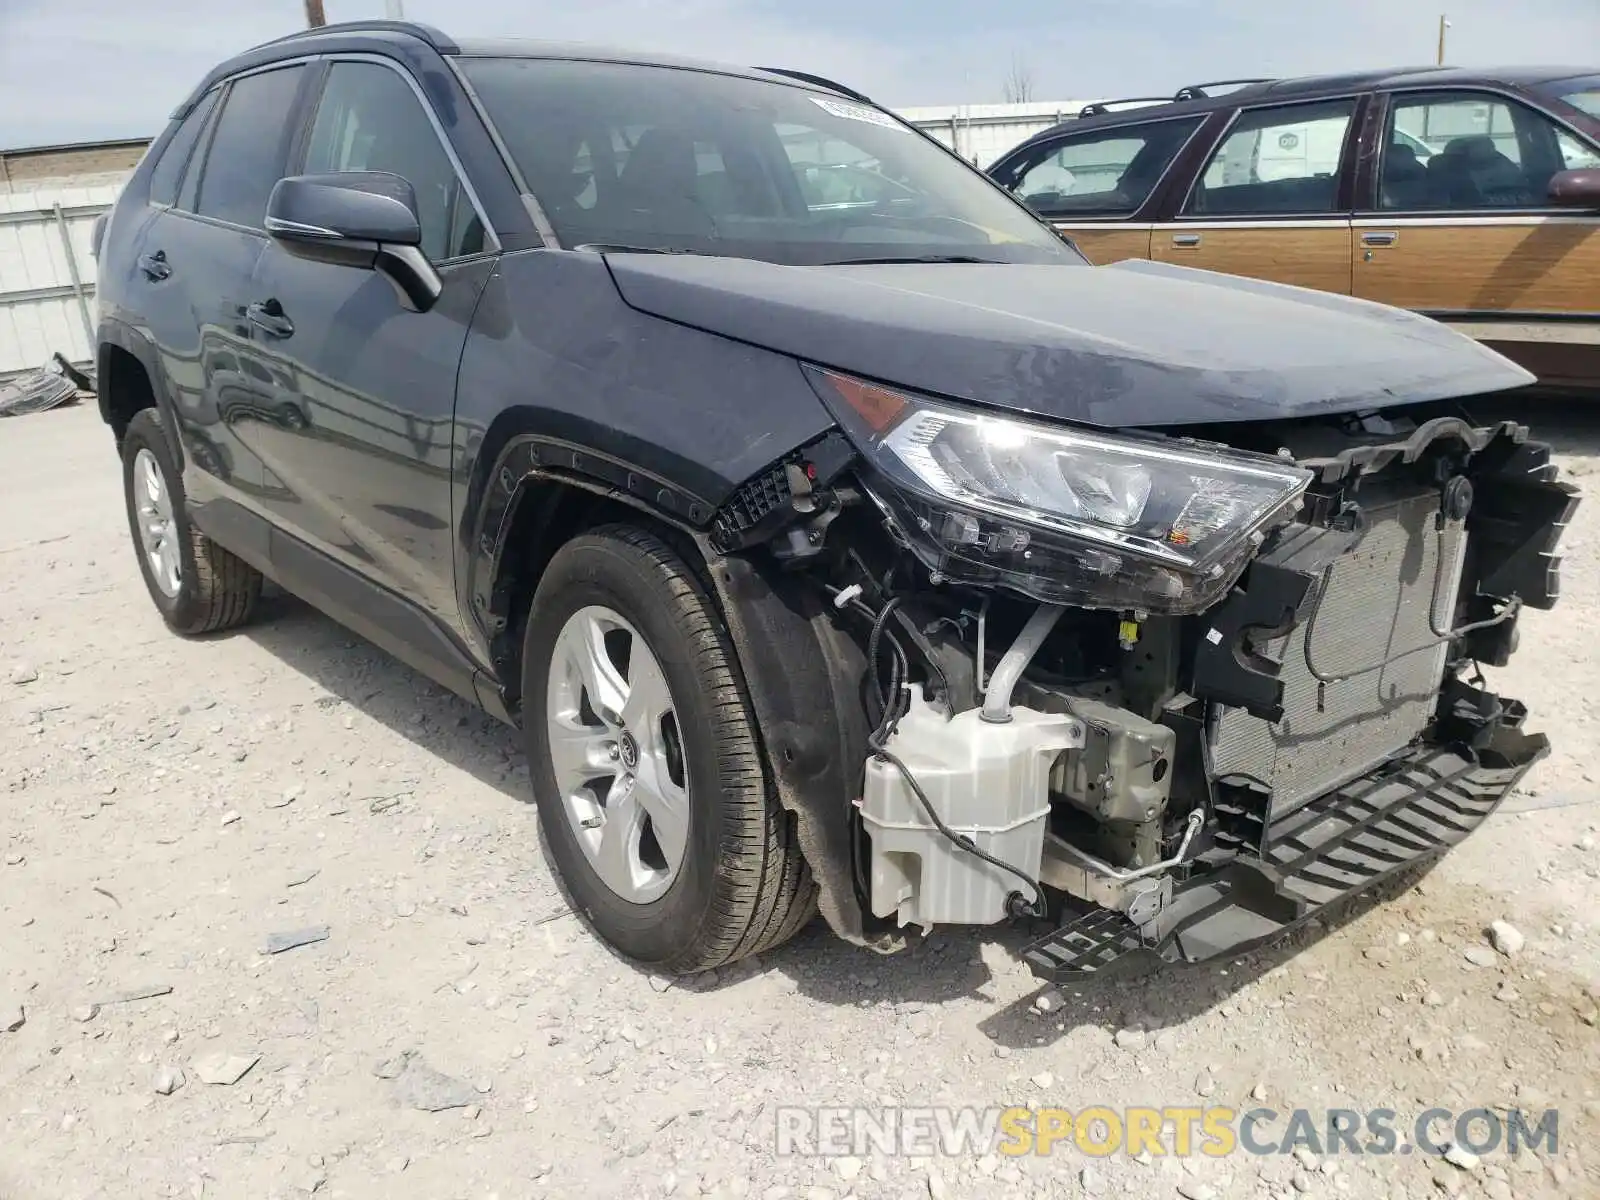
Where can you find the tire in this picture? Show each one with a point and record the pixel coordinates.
(741, 884)
(214, 589)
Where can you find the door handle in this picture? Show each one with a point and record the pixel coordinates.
(155, 266)
(1379, 237)
(268, 316)
(1186, 239)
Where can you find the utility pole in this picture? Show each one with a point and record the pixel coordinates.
(396, 9)
(315, 17)
(1443, 25)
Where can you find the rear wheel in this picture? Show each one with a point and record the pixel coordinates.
(652, 791)
(198, 586)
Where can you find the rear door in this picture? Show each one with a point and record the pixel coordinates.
(1273, 199)
(1095, 186)
(359, 460)
(196, 259)
(1457, 222)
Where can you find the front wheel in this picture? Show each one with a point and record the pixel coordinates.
(652, 790)
(198, 586)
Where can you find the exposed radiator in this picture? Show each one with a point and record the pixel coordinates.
(1379, 604)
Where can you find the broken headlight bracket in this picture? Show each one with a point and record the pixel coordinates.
(790, 505)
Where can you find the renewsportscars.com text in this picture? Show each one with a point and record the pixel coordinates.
(1215, 1131)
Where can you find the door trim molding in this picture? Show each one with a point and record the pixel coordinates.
(1131, 226)
(1371, 220)
(1339, 221)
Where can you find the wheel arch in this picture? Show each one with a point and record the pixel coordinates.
(129, 380)
(800, 675)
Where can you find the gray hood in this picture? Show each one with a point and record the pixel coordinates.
(1135, 344)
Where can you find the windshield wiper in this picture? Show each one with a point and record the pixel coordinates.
(913, 258)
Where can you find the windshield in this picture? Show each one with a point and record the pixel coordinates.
(661, 158)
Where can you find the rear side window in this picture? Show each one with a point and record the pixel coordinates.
(369, 119)
(169, 167)
(1277, 161)
(249, 147)
(1110, 172)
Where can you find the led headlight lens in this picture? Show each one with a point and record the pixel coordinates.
(1062, 513)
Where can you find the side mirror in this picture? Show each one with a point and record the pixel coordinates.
(1576, 189)
(364, 219)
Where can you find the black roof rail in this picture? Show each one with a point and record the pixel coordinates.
(817, 81)
(1101, 107)
(1200, 91)
(435, 38)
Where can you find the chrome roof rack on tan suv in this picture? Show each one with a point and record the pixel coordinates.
(1194, 91)
(1101, 107)
(1202, 91)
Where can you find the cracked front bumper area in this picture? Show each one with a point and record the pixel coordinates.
(1403, 815)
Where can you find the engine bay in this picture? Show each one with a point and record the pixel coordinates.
(1029, 757)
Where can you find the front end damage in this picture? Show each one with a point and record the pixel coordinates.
(1182, 759)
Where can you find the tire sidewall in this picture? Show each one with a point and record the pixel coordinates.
(147, 432)
(603, 571)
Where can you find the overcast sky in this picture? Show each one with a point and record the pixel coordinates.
(73, 70)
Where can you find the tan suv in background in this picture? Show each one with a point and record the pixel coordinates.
(1472, 196)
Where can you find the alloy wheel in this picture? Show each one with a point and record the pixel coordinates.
(158, 531)
(617, 754)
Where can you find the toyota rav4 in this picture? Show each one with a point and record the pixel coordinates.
(876, 556)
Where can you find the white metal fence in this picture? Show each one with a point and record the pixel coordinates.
(981, 133)
(47, 273)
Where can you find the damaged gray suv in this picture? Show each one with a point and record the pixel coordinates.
(837, 537)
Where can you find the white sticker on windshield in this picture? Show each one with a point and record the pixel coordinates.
(857, 112)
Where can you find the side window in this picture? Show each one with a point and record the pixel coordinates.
(248, 147)
(1111, 172)
(1574, 154)
(175, 156)
(1477, 152)
(1276, 161)
(835, 175)
(369, 119)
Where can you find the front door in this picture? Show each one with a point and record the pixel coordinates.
(359, 468)
(1272, 201)
(1460, 227)
(1092, 186)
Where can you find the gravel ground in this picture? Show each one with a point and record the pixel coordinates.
(167, 808)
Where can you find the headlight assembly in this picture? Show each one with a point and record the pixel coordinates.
(1061, 513)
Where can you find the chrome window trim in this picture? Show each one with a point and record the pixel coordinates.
(210, 134)
(493, 238)
(280, 225)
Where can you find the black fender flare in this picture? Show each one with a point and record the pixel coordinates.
(495, 495)
(115, 333)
